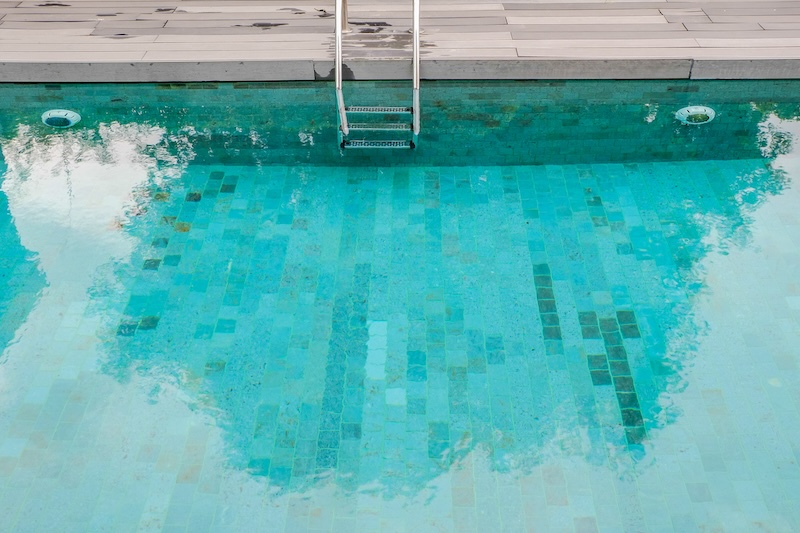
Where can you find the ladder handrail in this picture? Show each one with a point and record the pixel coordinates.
(341, 26)
(415, 103)
(340, 22)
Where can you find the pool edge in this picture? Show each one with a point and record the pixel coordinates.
(438, 69)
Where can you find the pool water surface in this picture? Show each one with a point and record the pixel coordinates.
(562, 325)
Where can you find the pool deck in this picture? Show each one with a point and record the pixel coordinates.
(269, 40)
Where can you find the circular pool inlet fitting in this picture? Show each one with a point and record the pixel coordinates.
(695, 115)
(60, 118)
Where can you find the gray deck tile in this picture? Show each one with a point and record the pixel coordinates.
(468, 44)
(780, 25)
(82, 9)
(467, 36)
(752, 11)
(98, 56)
(687, 18)
(528, 31)
(722, 27)
(754, 18)
(257, 39)
(573, 19)
(577, 44)
(277, 40)
(745, 34)
(620, 12)
(67, 17)
(740, 43)
(232, 55)
(107, 32)
(582, 6)
(114, 23)
(483, 28)
(57, 48)
(681, 11)
(306, 17)
(45, 26)
(62, 35)
(575, 34)
(200, 25)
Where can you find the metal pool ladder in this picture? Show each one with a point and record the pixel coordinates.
(346, 127)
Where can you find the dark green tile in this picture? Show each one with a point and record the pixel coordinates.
(620, 368)
(630, 331)
(632, 418)
(608, 324)
(587, 318)
(151, 264)
(590, 332)
(612, 338)
(542, 269)
(624, 384)
(626, 317)
(600, 377)
(628, 400)
(544, 293)
(127, 329)
(616, 353)
(552, 332)
(549, 319)
(547, 306)
(597, 362)
(148, 322)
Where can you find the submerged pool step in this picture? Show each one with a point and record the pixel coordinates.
(383, 110)
(377, 144)
(385, 123)
(379, 126)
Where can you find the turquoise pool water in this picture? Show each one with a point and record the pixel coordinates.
(564, 312)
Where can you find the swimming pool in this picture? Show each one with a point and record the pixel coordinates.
(564, 310)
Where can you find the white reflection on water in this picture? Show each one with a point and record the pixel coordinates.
(71, 193)
(728, 459)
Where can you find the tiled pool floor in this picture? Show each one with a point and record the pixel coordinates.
(529, 348)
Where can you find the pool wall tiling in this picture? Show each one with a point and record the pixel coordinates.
(493, 123)
(202, 336)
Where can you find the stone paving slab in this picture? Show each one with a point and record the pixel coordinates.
(229, 40)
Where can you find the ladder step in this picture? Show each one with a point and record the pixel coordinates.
(378, 126)
(376, 109)
(377, 144)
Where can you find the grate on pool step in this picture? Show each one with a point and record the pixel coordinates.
(377, 109)
(378, 126)
(377, 144)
